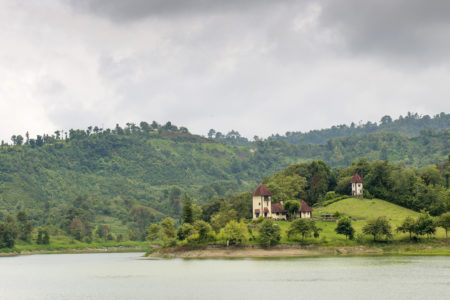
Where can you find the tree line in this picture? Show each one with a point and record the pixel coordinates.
(415, 188)
(141, 171)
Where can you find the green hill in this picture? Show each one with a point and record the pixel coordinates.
(367, 208)
(409, 125)
(364, 210)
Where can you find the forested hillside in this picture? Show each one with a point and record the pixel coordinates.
(409, 125)
(151, 166)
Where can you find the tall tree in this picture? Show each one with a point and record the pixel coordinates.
(425, 225)
(24, 226)
(187, 210)
(299, 226)
(408, 225)
(142, 217)
(292, 206)
(269, 233)
(444, 222)
(234, 233)
(168, 232)
(378, 227)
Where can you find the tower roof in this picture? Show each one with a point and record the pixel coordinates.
(356, 179)
(261, 190)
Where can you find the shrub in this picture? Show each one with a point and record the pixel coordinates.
(154, 232)
(425, 225)
(378, 227)
(269, 233)
(444, 222)
(331, 201)
(234, 233)
(304, 228)
(344, 226)
(331, 195)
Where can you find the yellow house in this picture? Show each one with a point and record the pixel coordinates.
(262, 202)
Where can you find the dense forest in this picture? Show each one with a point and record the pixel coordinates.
(146, 169)
(409, 125)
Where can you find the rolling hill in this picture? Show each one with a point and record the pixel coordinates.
(154, 165)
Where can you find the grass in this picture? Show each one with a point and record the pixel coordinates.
(367, 208)
(61, 243)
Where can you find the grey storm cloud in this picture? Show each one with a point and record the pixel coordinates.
(130, 10)
(256, 66)
(414, 29)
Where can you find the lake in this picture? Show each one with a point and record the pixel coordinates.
(129, 276)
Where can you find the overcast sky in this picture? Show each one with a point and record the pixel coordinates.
(261, 67)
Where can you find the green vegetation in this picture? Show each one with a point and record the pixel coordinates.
(378, 227)
(234, 233)
(367, 209)
(344, 226)
(269, 233)
(161, 183)
(304, 228)
(409, 125)
(444, 222)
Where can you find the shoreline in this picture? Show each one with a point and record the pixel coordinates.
(296, 251)
(118, 249)
(257, 251)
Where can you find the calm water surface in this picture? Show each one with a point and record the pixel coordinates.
(128, 276)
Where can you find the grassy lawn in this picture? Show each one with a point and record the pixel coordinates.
(367, 208)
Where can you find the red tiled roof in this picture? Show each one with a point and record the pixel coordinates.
(261, 190)
(305, 207)
(356, 179)
(266, 209)
(277, 208)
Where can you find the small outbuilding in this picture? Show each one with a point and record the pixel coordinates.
(305, 211)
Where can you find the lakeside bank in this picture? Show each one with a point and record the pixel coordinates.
(424, 248)
(118, 249)
(286, 251)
